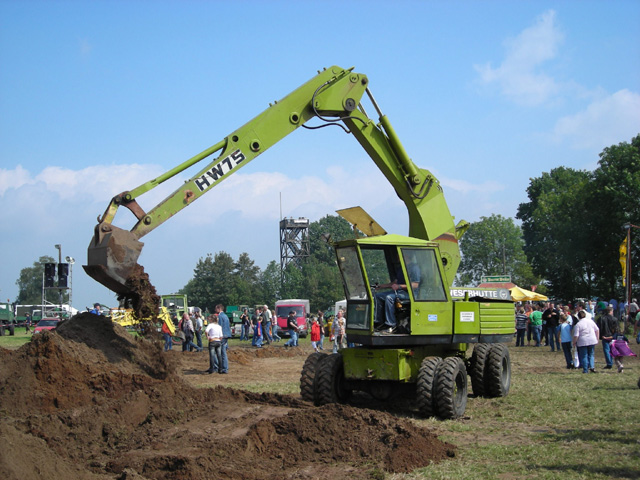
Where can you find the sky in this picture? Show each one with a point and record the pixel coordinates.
(99, 97)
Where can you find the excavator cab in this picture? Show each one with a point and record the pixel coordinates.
(370, 265)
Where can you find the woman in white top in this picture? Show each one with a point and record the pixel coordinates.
(585, 337)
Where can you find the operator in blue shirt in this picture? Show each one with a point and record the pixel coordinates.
(399, 291)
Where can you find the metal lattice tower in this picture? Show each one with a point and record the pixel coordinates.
(294, 242)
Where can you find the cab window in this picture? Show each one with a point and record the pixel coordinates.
(424, 275)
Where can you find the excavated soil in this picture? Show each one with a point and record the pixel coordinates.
(90, 401)
(142, 296)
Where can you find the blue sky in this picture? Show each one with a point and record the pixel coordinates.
(99, 97)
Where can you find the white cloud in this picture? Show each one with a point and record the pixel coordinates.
(606, 121)
(97, 183)
(257, 195)
(463, 186)
(13, 179)
(518, 76)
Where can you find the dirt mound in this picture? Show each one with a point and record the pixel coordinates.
(90, 401)
(339, 433)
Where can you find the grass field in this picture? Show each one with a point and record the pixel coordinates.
(554, 424)
(16, 340)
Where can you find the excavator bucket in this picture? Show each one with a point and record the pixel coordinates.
(111, 257)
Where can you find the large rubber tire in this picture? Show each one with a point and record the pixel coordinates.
(478, 368)
(498, 371)
(308, 376)
(451, 388)
(329, 381)
(425, 386)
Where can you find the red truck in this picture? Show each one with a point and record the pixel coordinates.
(301, 307)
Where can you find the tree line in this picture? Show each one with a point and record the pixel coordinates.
(219, 278)
(567, 244)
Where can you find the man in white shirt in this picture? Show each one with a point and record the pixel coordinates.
(214, 335)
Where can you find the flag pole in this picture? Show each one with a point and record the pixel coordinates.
(628, 292)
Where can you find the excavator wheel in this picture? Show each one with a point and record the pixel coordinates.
(451, 388)
(329, 381)
(307, 378)
(425, 388)
(498, 371)
(478, 368)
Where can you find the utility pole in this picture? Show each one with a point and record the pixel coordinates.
(504, 260)
(59, 248)
(628, 290)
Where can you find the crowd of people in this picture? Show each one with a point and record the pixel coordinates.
(573, 329)
(217, 329)
(576, 330)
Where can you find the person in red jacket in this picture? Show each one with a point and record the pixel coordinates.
(315, 334)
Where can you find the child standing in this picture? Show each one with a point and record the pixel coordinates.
(315, 334)
(619, 349)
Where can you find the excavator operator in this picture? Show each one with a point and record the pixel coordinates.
(386, 301)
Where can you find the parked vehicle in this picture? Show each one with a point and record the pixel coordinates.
(176, 304)
(7, 319)
(46, 324)
(301, 307)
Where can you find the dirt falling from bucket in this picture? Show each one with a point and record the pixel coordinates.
(142, 296)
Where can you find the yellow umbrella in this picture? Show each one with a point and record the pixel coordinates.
(520, 295)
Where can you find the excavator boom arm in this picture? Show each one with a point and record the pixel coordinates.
(334, 95)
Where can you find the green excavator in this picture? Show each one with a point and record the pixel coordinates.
(411, 335)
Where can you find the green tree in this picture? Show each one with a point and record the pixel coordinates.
(556, 230)
(494, 246)
(573, 223)
(330, 227)
(224, 280)
(199, 289)
(246, 283)
(219, 279)
(269, 283)
(321, 284)
(615, 201)
(30, 284)
(292, 284)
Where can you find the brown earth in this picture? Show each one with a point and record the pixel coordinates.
(90, 401)
(141, 295)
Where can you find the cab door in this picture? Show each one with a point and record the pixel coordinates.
(430, 303)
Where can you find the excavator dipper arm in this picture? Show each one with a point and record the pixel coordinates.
(334, 95)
